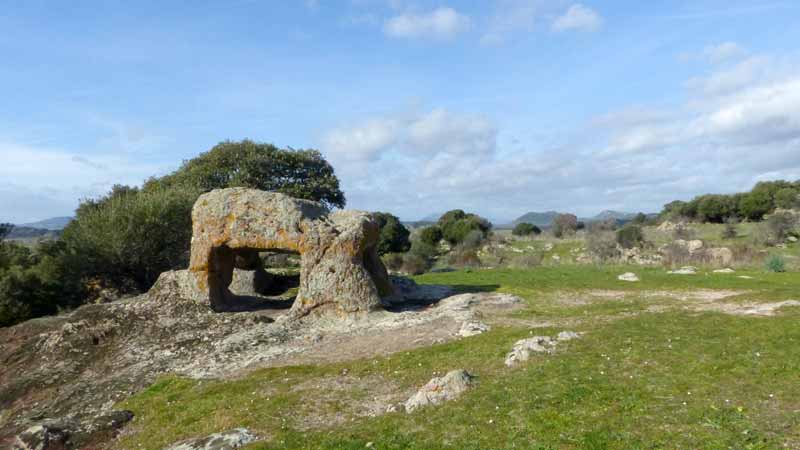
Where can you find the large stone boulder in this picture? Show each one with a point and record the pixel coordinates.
(339, 267)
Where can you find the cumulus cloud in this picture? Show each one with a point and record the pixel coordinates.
(635, 158)
(578, 17)
(441, 23)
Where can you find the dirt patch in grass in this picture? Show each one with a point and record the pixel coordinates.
(335, 400)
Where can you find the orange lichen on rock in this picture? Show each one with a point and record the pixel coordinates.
(340, 269)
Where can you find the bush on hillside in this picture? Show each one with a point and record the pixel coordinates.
(729, 231)
(129, 237)
(780, 225)
(431, 235)
(526, 229)
(763, 199)
(564, 225)
(393, 234)
(776, 264)
(630, 236)
(602, 244)
(456, 225)
(787, 198)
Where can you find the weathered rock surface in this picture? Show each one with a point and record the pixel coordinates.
(522, 349)
(473, 328)
(67, 434)
(441, 389)
(725, 270)
(340, 268)
(49, 366)
(721, 256)
(227, 440)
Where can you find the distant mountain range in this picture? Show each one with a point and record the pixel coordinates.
(43, 229)
(545, 219)
(540, 219)
(53, 223)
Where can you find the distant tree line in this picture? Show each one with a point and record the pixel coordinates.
(763, 199)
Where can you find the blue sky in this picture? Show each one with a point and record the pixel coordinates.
(497, 106)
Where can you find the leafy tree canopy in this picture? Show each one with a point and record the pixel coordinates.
(299, 173)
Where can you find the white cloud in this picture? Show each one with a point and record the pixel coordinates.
(723, 52)
(578, 17)
(361, 142)
(441, 23)
(731, 78)
(636, 158)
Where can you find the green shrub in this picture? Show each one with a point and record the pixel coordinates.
(414, 264)
(776, 264)
(564, 224)
(781, 225)
(602, 244)
(463, 257)
(393, 261)
(457, 224)
(630, 236)
(431, 235)
(729, 231)
(393, 235)
(128, 238)
(526, 229)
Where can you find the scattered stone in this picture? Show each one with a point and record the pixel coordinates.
(567, 336)
(686, 270)
(628, 276)
(523, 348)
(694, 245)
(538, 344)
(722, 256)
(473, 328)
(227, 440)
(668, 226)
(548, 246)
(441, 389)
(556, 258)
(725, 270)
(792, 239)
(745, 277)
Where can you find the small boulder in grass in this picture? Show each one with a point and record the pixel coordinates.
(726, 270)
(441, 389)
(687, 270)
(628, 276)
(226, 440)
(473, 328)
(523, 348)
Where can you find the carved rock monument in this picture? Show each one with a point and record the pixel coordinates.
(340, 270)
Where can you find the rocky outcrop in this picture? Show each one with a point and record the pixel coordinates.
(69, 434)
(227, 440)
(339, 269)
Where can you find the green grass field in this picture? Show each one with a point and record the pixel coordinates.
(637, 379)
